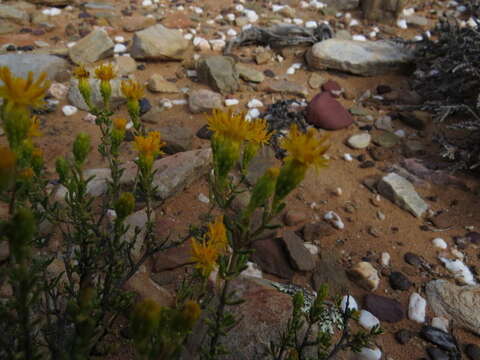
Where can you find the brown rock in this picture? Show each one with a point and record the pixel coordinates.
(293, 217)
(327, 113)
(173, 258)
(300, 257)
(146, 288)
(136, 23)
(271, 258)
(286, 87)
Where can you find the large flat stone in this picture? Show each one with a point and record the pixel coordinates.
(21, 64)
(366, 58)
(95, 46)
(401, 192)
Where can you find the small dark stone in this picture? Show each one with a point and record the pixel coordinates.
(437, 354)
(269, 73)
(461, 242)
(204, 133)
(38, 32)
(383, 89)
(385, 309)
(403, 336)
(25, 48)
(145, 106)
(472, 351)
(11, 48)
(361, 157)
(271, 258)
(141, 67)
(380, 153)
(366, 127)
(439, 338)
(398, 281)
(367, 164)
(84, 15)
(474, 237)
(314, 232)
(25, 30)
(412, 259)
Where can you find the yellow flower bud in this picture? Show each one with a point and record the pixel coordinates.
(19, 232)
(191, 313)
(125, 205)
(262, 191)
(81, 147)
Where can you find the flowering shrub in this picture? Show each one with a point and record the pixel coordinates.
(72, 313)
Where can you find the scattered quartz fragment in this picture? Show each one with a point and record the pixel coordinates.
(417, 308)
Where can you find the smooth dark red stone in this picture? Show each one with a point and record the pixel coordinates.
(333, 88)
(325, 112)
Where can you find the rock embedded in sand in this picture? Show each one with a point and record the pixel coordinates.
(366, 58)
(95, 46)
(417, 308)
(21, 64)
(365, 276)
(204, 100)
(384, 308)
(159, 43)
(325, 112)
(219, 73)
(400, 191)
(300, 257)
(359, 141)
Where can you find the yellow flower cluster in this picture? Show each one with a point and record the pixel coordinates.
(306, 148)
(105, 72)
(20, 92)
(149, 147)
(132, 90)
(205, 252)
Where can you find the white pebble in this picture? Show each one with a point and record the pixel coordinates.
(231, 102)
(334, 219)
(254, 103)
(440, 323)
(400, 133)
(252, 114)
(192, 73)
(52, 11)
(313, 249)
(439, 243)
(90, 118)
(358, 37)
(276, 8)
(252, 270)
(217, 44)
(402, 24)
(230, 17)
(239, 8)
(246, 27)
(201, 44)
(352, 303)
(472, 23)
(338, 191)
(188, 36)
(416, 308)
(129, 125)
(459, 270)
(251, 15)
(372, 34)
(353, 22)
(348, 16)
(428, 34)
(166, 103)
(367, 320)
(298, 21)
(317, 4)
(385, 259)
(369, 354)
(408, 11)
(179, 102)
(418, 38)
(347, 157)
(119, 39)
(197, 10)
(147, 3)
(231, 32)
(69, 110)
(311, 24)
(203, 198)
(119, 48)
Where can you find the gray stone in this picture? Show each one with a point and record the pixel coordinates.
(384, 123)
(329, 271)
(76, 99)
(159, 85)
(343, 35)
(366, 58)
(286, 87)
(125, 65)
(457, 303)
(342, 4)
(137, 225)
(176, 172)
(219, 73)
(386, 139)
(95, 46)
(248, 74)
(300, 258)
(159, 43)
(401, 192)
(359, 141)
(146, 288)
(204, 100)
(177, 136)
(21, 64)
(6, 27)
(13, 13)
(316, 80)
(384, 10)
(417, 20)
(136, 23)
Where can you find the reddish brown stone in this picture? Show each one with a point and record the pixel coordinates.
(327, 113)
(270, 256)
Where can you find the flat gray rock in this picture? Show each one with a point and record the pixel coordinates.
(95, 46)
(458, 303)
(14, 14)
(21, 64)
(366, 58)
(159, 43)
(401, 192)
(219, 73)
(342, 4)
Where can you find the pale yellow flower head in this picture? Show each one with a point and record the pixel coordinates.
(149, 146)
(120, 124)
(258, 132)
(205, 256)
(105, 72)
(23, 92)
(306, 148)
(132, 89)
(80, 72)
(217, 234)
(230, 126)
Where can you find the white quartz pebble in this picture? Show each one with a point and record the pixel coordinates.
(402, 24)
(311, 24)
(416, 308)
(203, 198)
(217, 44)
(385, 259)
(231, 102)
(461, 271)
(119, 39)
(69, 110)
(358, 37)
(347, 157)
(440, 323)
(369, 354)
(252, 114)
(439, 243)
(352, 303)
(52, 11)
(313, 249)
(119, 48)
(252, 270)
(254, 103)
(367, 320)
(334, 219)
